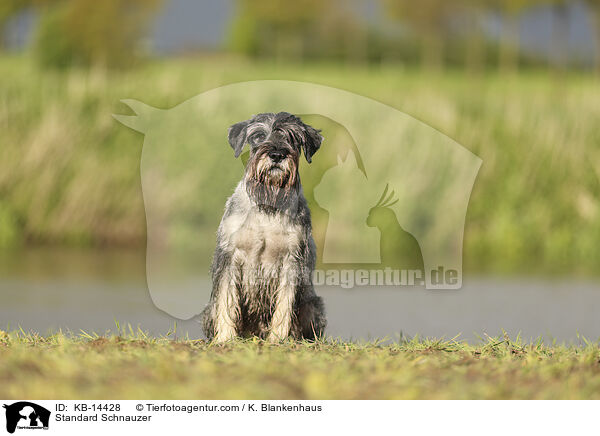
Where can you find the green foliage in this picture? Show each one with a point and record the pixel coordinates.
(130, 364)
(54, 47)
(303, 29)
(9, 228)
(69, 173)
(8, 9)
(88, 32)
(434, 34)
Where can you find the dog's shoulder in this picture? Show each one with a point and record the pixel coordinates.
(302, 216)
(237, 208)
(239, 202)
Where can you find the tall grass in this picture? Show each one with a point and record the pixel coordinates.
(70, 174)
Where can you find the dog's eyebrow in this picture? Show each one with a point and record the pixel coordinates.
(256, 127)
(294, 131)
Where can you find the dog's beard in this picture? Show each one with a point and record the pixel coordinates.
(272, 186)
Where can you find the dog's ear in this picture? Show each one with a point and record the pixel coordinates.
(312, 142)
(237, 136)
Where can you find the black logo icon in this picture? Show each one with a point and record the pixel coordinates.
(26, 415)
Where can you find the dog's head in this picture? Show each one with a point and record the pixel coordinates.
(276, 142)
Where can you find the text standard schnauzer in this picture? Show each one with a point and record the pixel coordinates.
(265, 255)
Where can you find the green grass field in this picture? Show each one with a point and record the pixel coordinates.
(135, 366)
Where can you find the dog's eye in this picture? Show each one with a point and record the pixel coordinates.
(258, 137)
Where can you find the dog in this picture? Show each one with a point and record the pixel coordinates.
(265, 253)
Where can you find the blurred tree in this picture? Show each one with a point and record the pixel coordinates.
(560, 33)
(428, 21)
(10, 8)
(296, 30)
(594, 16)
(474, 11)
(91, 32)
(510, 38)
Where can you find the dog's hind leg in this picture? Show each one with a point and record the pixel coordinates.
(310, 318)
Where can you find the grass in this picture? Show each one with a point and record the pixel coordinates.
(132, 365)
(69, 173)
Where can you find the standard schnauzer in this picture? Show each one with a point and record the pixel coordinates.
(265, 254)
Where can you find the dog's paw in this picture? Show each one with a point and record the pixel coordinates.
(223, 337)
(275, 337)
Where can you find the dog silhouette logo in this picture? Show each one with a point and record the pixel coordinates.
(26, 415)
(187, 173)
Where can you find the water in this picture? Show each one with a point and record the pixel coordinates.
(44, 290)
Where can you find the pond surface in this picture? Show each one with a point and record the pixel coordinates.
(44, 290)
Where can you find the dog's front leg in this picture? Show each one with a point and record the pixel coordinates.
(227, 308)
(281, 322)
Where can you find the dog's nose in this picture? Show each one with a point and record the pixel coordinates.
(276, 156)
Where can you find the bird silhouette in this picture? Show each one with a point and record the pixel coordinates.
(398, 248)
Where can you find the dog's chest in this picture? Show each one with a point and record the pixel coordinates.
(265, 239)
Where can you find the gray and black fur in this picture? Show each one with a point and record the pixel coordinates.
(265, 254)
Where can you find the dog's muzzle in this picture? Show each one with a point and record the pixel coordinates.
(277, 156)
